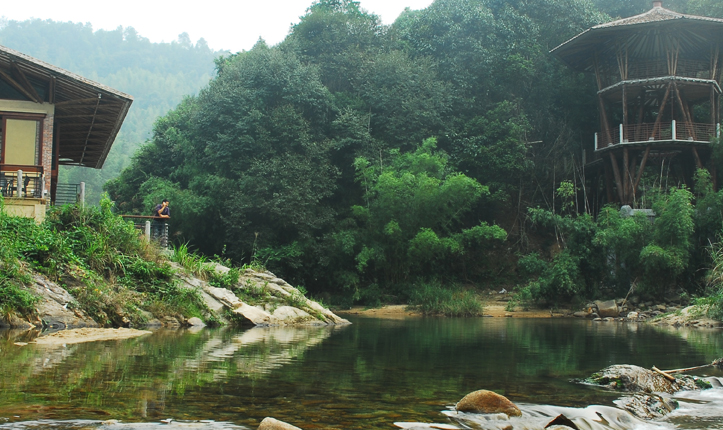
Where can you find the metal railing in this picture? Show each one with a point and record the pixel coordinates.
(67, 194)
(22, 181)
(664, 131)
(153, 227)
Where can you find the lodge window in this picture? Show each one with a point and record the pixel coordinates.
(20, 140)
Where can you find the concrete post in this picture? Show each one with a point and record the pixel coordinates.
(148, 230)
(596, 143)
(81, 195)
(621, 133)
(19, 185)
(673, 130)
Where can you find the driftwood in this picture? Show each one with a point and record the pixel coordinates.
(717, 363)
(665, 375)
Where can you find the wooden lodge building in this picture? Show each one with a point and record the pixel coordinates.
(658, 80)
(50, 117)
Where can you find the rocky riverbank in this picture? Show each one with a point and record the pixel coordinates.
(671, 313)
(259, 298)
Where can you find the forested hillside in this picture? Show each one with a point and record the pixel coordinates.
(157, 75)
(374, 163)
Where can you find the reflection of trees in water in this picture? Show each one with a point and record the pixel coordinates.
(136, 376)
(374, 368)
(707, 341)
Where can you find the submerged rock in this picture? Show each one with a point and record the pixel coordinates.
(647, 406)
(487, 402)
(269, 423)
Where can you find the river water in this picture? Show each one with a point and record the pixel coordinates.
(371, 374)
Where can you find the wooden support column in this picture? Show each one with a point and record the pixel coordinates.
(641, 169)
(641, 113)
(686, 115)
(698, 163)
(712, 105)
(608, 183)
(714, 176)
(714, 59)
(604, 118)
(626, 175)
(625, 106)
(616, 173)
(662, 109)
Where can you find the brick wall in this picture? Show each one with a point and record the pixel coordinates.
(47, 150)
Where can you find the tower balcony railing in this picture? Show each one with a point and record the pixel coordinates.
(610, 74)
(663, 131)
(20, 181)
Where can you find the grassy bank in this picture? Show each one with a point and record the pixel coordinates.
(115, 275)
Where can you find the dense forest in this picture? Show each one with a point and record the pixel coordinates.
(369, 163)
(157, 75)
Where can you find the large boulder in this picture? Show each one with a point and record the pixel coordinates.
(608, 308)
(251, 315)
(625, 377)
(56, 307)
(269, 423)
(488, 402)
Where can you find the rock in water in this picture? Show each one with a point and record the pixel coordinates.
(625, 377)
(196, 322)
(273, 424)
(647, 406)
(561, 422)
(487, 402)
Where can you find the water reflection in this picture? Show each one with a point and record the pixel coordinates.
(367, 375)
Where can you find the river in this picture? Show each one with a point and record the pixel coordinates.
(368, 375)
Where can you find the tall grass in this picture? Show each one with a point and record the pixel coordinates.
(713, 302)
(435, 299)
(195, 264)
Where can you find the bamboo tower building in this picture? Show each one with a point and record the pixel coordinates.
(658, 80)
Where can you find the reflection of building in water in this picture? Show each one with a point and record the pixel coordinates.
(658, 78)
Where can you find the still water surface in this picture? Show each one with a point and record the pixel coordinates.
(367, 375)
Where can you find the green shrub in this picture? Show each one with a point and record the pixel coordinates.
(112, 271)
(14, 298)
(228, 280)
(434, 299)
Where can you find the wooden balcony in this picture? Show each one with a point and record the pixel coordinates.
(23, 190)
(644, 134)
(20, 182)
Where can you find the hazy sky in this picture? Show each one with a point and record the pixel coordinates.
(232, 25)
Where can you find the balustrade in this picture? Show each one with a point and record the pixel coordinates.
(651, 132)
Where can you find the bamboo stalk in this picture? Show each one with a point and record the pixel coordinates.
(665, 375)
